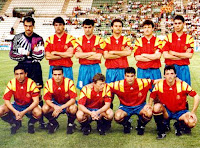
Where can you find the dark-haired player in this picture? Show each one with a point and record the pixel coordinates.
(116, 50)
(172, 95)
(59, 49)
(60, 96)
(26, 100)
(132, 93)
(89, 50)
(178, 48)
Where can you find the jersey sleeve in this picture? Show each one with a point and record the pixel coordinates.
(165, 44)
(47, 93)
(14, 54)
(158, 45)
(48, 44)
(72, 90)
(8, 91)
(34, 90)
(188, 89)
(83, 96)
(154, 93)
(190, 43)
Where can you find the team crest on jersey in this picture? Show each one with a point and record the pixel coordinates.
(178, 97)
(185, 48)
(66, 95)
(93, 49)
(28, 95)
(65, 47)
(139, 94)
(122, 48)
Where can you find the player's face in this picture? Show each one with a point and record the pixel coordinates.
(59, 28)
(130, 77)
(20, 75)
(57, 76)
(88, 29)
(99, 85)
(170, 76)
(117, 28)
(28, 27)
(178, 25)
(148, 30)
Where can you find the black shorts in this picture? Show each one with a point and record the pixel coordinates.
(34, 71)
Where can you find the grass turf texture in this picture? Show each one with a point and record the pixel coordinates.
(113, 139)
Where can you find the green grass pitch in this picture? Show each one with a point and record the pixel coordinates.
(115, 138)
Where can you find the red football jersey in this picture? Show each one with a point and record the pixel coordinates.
(113, 44)
(62, 93)
(94, 44)
(53, 43)
(94, 100)
(178, 44)
(174, 97)
(143, 46)
(23, 93)
(131, 95)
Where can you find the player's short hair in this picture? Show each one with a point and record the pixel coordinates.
(57, 68)
(148, 22)
(179, 17)
(98, 77)
(29, 19)
(130, 70)
(116, 20)
(88, 22)
(169, 67)
(59, 20)
(20, 66)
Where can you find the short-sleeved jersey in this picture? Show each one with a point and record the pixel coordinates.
(174, 43)
(23, 93)
(113, 44)
(92, 99)
(94, 44)
(60, 93)
(174, 97)
(143, 46)
(131, 95)
(53, 43)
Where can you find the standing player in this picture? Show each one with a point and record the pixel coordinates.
(94, 104)
(26, 100)
(28, 49)
(116, 50)
(132, 94)
(89, 50)
(59, 49)
(172, 95)
(178, 48)
(59, 95)
(147, 53)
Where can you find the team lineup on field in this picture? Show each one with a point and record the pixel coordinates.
(168, 98)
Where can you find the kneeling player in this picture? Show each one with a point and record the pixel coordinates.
(172, 95)
(26, 97)
(59, 95)
(132, 94)
(94, 104)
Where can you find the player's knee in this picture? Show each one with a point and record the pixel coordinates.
(79, 115)
(110, 114)
(37, 113)
(73, 109)
(157, 108)
(45, 109)
(2, 111)
(118, 116)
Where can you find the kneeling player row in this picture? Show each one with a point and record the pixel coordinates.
(95, 101)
